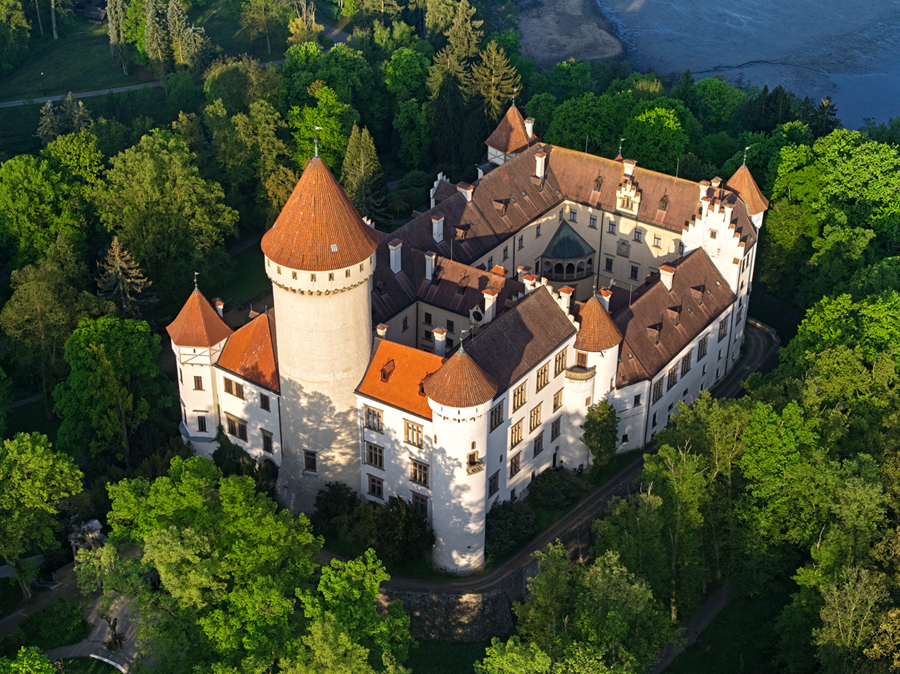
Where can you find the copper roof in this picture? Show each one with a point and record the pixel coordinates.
(318, 228)
(597, 331)
(407, 368)
(460, 383)
(510, 135)
(250, 353)
(743, 183)
(198, 324)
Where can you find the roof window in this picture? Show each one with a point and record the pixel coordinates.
(387, 370)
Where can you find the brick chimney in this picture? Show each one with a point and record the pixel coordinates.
(429, 265)
(564, 299)
(604, 294)
(381, 329)
(466, 190)
(628, 166)
(521, 271)
(220, 307)
(395, 246)
(437, 227)
(666, 274)
(440, 341)
(540, 165)
(529, 127)
(490, 302)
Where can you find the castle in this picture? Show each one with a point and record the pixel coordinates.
(452, 361)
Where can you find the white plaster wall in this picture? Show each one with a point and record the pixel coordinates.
(632, 418)
(249, 411)
(198, 362)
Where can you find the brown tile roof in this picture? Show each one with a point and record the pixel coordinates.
(250, 353)
(460, 382)
(444, 191)
(511, 345)
(654, 312)
(449, 277)
(510, 135)
(318, 228)
(743, 183)
(198, 324)
(597, 331)
(408, 367)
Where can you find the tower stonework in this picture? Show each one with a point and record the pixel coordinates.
(320, 256)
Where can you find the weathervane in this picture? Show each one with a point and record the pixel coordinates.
(462, 339)
(316, 139)
(195, 280)
(745, 154)
(621, 140)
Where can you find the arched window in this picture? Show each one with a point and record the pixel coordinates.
(570, 268)
(558, 269)
(581, 267)
(590, 263)
(548, 267)
(473, 444)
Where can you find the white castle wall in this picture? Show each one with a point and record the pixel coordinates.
(198, 362)
(250, 412)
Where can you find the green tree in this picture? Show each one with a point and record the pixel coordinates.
(329, 650)
(262, 17)
(157, 40)
(330, 121)
(14, 33)
(439, 15)
(114, 386)
(189, 43)
(171, 220)
(601, 432)
(541, 107)
(413, 127)
(122, 282)
(405, 74)
(718, 100)
(28, 661)
(463, 34)
(363, 180)
(115, 14)
(70, 117)
(33, 479)
(514, 657)
(495, 80)
(656, 140)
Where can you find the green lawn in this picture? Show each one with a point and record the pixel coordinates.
(31, 418)
(249, 278)
(435, 657)
(221, 19)
(87, 666)
(17, 128)
(79, 61)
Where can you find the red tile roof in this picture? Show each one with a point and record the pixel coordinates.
(460, 382)
(743, 183)
(318, 228)
(198, 324)
(250, 353)
(597, 331)
(401, 390)
(510, 135)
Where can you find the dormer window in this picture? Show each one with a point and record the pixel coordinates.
(387, 370)
(463, 284)
(422, 387)
(664, 202)
(598, 183)
(500, 207)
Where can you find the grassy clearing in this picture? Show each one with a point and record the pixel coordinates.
(742, 638)
(249, 278)
(221, 19)
(87, 666)
(78, 61)
(436, 657)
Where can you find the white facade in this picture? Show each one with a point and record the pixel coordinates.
(199, 402)
(248, 410)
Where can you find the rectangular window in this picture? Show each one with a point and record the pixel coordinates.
(537, 231)
(515, 465)
(673, 377)
(418, 472)
(375, 456)
(737, 317)
(521, 242)
(376, 487)
(625, 438)
(562, 214)
(572, 215)
(543, 376)
(612, 227)
(539, 443)
(658, 390)
(557, 400)
(554, 429)
(490, 263)
(472, 458)
(229, 385)
(451, 327)
(712, 234)
(427, 318)
(427, 335)
(723, 329)
(496, 416)
(198, 383)
(505, 252)
(267, 442)
(703, 347)
(347, 273)
(420, 503)
(405, 323)
(638, 235)
(593, 223)
(181, 376)
(609, 264)
(580, 359)
(634, 272)
(264, 402)
(535, 419)
(413, 433)
(309, 462)
(331, 277)
(637, 401)
(201, 424)
(231, 426)
(560, 363)
(657, 241)
(686, 363)
(515, 434)
(519, 396)
(373, 419)
(494, 484)
(653, 420)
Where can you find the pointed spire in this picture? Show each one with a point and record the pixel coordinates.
(597, 332)
(460, 383)
(745, 186)
(198, 324)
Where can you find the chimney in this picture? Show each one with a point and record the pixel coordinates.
(628, 165)
(666, 274)
(220, 307)
(396, 245)
(529, 127)
(466, 190)
(369, 222)
(604, 294)
(704, 185)
(715, 182)
(429, 265)
(381, 329)
(530, 281)
(440, 341)
(499, 270)
(437, 227)
(540, 164)
(490, 300)
(565, 298)
(521, 271)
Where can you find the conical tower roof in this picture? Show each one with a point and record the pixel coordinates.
(597, 332)
(510, 134)
(460, 382)
(198, 324)
(743, 183)
(319, 229)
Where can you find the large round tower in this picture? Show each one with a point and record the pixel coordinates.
(460, 395)
(320, 256)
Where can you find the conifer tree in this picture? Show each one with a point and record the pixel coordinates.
(438, 16)
(123, 284)
(178, 28)
(157, 41)
(463, 34)
(115, 14)
(70, 117)
(363, 180)
(495, 80)
(445, 65)
(449, 109)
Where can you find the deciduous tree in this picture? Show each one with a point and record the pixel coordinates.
(601, 432)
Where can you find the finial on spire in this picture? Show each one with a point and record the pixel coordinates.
(745, 155)
(621, 140)
(462, 339)
(195, 280)
(316, 139)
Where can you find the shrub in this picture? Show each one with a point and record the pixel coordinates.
(334, 500)
(404, 534)
(60, 624)
(509, 526)
(416, 180)
(551, 490)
